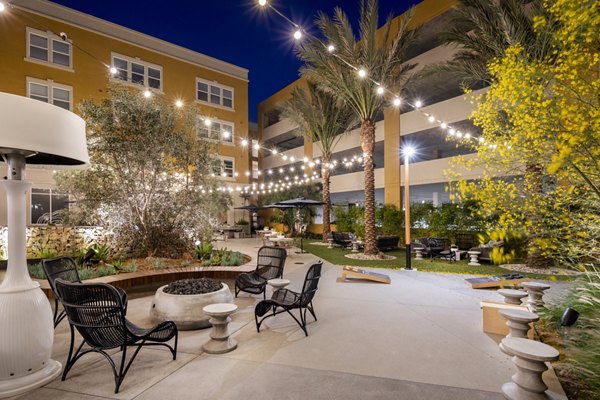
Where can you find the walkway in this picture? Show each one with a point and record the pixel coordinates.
(417, 338)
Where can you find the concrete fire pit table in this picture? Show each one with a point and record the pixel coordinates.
(186, 310)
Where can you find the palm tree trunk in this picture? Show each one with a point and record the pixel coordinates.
(326, 175)
(367, 143)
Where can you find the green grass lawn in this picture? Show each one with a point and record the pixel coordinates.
(336, 256)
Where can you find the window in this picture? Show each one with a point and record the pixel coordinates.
(214, 93)
(50, 92)
(254, 148)
(46, 206)
(218, 130)
(226, 168)
(137, 71)
(255, 171)
(49, 48)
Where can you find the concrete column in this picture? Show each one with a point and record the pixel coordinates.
(391, 154)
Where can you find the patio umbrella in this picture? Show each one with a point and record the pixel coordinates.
(300, 202)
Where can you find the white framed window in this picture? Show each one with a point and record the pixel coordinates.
(46, 206)
(51, 92)
(136, 71)
(214, 94)
(47, 48)
(255, 170)
(254, 148)
(218, 130)
(226, 168)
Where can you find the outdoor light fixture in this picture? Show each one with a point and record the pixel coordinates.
(179, 103)
(397, 101)
(298, 35)
(569, 317)
(362, 73)
(408, 152)
(32, 132)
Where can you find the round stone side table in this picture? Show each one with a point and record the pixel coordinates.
(220, 342)
(512, 296)
(278, 283)
(518, 322)
(535, 291)
(419, 253)
(474, 257)
(530, 358)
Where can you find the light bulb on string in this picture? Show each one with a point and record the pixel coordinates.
(418, 104)
(443, 125)
(262, 3)
(112, 70)
(147, 93)
(397, 101)
(362, 73)
(380, 90)
(331, 48)
(431, 119)
(274, 151)
(244, 142)
(256, 146)
(179, 104)
(207, 122)
(298, 34)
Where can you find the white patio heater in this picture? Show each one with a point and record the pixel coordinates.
(35, 133)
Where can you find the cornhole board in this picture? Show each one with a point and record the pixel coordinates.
(495, 323)
(358, 273)
(493, 281)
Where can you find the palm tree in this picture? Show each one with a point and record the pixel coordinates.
(333, 65)
(322, 119)
(483, 29)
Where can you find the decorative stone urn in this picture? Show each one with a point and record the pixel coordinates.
(185, 310)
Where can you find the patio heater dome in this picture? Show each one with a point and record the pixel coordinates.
(37, 133)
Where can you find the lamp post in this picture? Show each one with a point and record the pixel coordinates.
(408, 152)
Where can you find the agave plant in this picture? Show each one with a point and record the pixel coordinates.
(333, 65)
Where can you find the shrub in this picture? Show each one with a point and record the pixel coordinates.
(242, 222)
(46, 253)
(131, 267)
(86, 273)
(106, 270)
(159, 264)
(36, 271)
(102, 252)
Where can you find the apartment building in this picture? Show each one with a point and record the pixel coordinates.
(61, 56)
(441, 97)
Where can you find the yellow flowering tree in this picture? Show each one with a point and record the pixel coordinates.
(540, 146)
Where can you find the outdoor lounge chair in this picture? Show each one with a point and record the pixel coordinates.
(342, 239)
(65, 268)
(271, 261)
(288, 300)
(97, 311)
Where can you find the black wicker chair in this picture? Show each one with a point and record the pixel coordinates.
(96, 310)
(65, 268)
(271, 261)
(289, 300)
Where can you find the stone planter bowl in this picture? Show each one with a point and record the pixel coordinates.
(186, 310)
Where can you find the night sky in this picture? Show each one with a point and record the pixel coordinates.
(236, 31)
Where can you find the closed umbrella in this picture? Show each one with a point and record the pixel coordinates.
(299, 203)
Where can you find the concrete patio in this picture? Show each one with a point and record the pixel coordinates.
(418, 338)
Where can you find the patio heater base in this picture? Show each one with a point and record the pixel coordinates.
(26, 328)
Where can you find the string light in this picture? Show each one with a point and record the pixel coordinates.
(179, 104)
(331, 48)
(244, 142)
(147, 93)
(362, 73)
(298, 35)
(397, 101)
(262, 3)
(380, 90)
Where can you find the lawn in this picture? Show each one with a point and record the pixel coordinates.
(336, 256)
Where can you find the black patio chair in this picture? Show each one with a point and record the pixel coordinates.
(269, 265)
(97, 311)
(289, 300)
(65, 268)
(342, 239)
